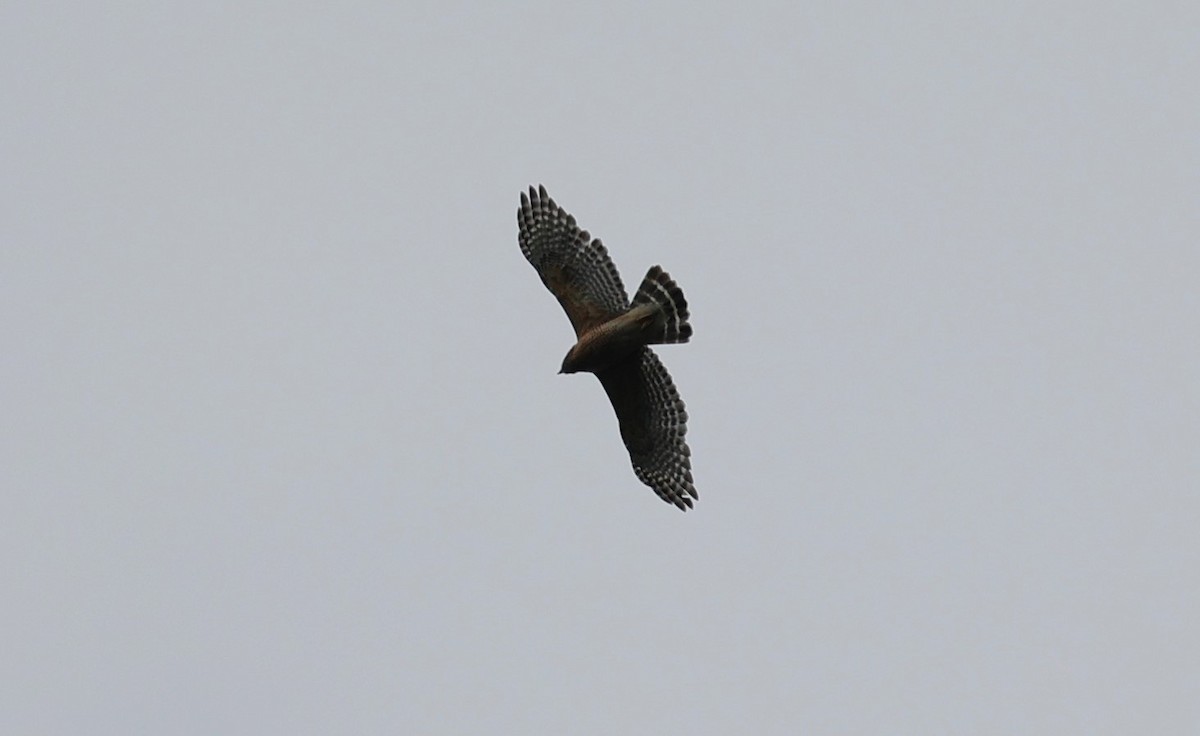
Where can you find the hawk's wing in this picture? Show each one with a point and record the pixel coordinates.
(574, 267)
(653, 424)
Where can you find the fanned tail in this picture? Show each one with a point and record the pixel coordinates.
(659, 289)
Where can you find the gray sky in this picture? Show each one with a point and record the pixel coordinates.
(283, 449)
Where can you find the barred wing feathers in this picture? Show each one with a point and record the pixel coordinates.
(653, 425)
(575, 267)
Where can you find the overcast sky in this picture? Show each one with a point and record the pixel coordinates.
(283, 449)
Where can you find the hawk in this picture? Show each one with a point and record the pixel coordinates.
(612, 338)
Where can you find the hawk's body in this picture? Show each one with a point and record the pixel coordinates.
(613, 336)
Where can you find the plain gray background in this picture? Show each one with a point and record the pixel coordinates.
(283, 447)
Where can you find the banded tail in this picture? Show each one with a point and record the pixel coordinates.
(659, 289)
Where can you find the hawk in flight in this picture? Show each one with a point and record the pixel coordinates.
(612, 338)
